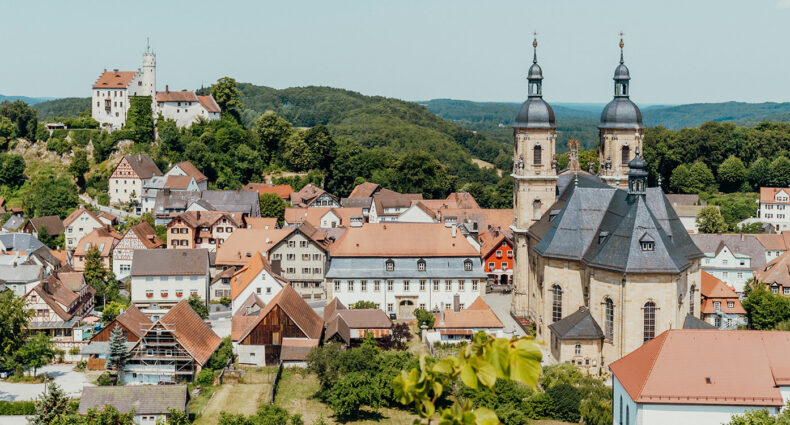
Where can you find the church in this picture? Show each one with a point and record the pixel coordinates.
(602, 262)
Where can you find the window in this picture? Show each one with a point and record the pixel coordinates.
(609, 319)
(149, 278)
(193, 293)
(537, 153)
(626, 155)
(740, 275)
(405, 285)
(422, 306)
(257, 290)
(350, 286)
(730, 304)
(377, 285)
(291, 244)
(786, 291)
(724, 262)
(556, 303)
(305, 270)
(491, 265)
(461, 286)
(390, 265)
(389, 307)
(422, 286)
(316, 270)
(649, 321)
(504, 266)
(436, 286)
(691, 299)
(717, 321)
(421, 265)
(717, 305)
(509, 254)
(474, 285)
(305, 257)
(578, 349)
(647, 245)
(499, 254)
(316, 257)
(337, 286)
(363, 285)
(468, 265)
(268, 290)
(390, 284)
(302, 244)
(448, 285)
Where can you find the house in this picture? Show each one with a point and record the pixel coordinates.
(128, 179)
(13, 224)
(287, 325)
(202, 229)
(186, 168)
(313, 196)
(688, 216)
(284, 191)
(404, 266)
(139, 236)
(720, 304)
(577, 339)
(113, 90)
(388, 205)
(21, 278)
(262, 223)
(18, 242)
(167, 203)
(775, 274)
(458, 324)
(774, 207)
(366, 190)
(52, 224)
(730, 257)
(104, 240)
(774, 244)
(475, 221)
(256, 277)
(687, 377)
(455, 201)
(162, 278)
(78, 224)
(173, 349)
(151, 404)
(351, 326)
(185, 107)
(240, 201)
(324, 216)
(132, 322)
(496, 251)
(679, 199)
(220, 284)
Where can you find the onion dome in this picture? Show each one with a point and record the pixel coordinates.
(535, 112)
(621, 112)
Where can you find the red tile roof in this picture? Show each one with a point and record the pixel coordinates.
(402, 240)
(768, 195)
(242, 278)
(261, 222)
(776, 271)
(178, 182)
(708, 367)
(775, 241)
(176, 96)
(296, 308)
(313, 215)
(492, 239)
(282, 190)
(114, 80)
(147, 235)
(364, 190)
(209, 103)
(78, 212)
(481, 316)
(191, 331)
(192, 171)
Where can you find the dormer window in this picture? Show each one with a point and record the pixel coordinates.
(468, 265)
(647, 243)
(602, 237)
(420, 265)
(390, 265)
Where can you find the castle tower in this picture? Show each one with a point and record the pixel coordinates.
(620, 131)
(149, 73)
(534, 174)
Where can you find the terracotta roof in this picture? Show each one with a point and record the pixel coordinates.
(308, 195)
(481, 316)
(209, 103)
(455, 201)
(774, 241)
(389, 199)
(684, 199)
(313, 215)
(60, 254)
(240, 243)
(242, 278)
(492, 239)
(101, 238)
(143, 165)
(334, 305)
(696, 367)
(146, 234)
(776, 271)
(114, 80)
(282, 190)
(296, 308)
(402, 240)
(51, 222)
(191, 331)
(714, 288)
(261, 222)
(143, 399)
(254, 303)
(133, 320)
(365, 190)
(192, 171)
(484, 217)
(176, 96)
(296, 349)
(239, 324)
(78, 212)
(768, 194)
(169, 262)
(479, 304)
(74, 281)
(177, 182)
(195, 219)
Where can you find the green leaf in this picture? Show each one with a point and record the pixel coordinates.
(445, 367)
(484, 416)
(468, 376)
(426, 408)
(485, 372)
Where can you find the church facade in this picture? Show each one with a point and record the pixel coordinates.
(602, 262)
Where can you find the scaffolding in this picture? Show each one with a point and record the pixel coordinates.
(159, 358)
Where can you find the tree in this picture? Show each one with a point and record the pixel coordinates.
(228, 96)
(424, 317)
(759, 174)
(732, 174)
(680, 181)
(272, 131)
(111, 311)
(417, 172)
(7, 129)
(52, 242)
(353, 391)
(36, 352)
(23, 116)
(140, 119)
(79, 166)
(169, 136)
(199, 306)
(49, 194)
(761, 417)
(296, 153)
(118, 354)
(780, 172)
(272, 206)
(359, 305)
(13, 323)
(702, 177)
(322, 147)
(397, 339)
(566, 402)
(709, 220)
(51, 406)
(95, 274)
(764, 310)
(12, 170)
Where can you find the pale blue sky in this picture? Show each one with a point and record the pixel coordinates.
(679, 51)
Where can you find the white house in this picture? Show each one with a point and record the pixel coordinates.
(112, 90)
(775, 207)
(185, 107)
(152, 404)
(78, 224)
(140, 236)
(404, 266)
(687, 377)
(256, 277)
(129, 177)
(162, 278)
(186, 168)
(730, 257)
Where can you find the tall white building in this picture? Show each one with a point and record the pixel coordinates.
(775, 207)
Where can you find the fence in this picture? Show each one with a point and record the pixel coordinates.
(276, 382)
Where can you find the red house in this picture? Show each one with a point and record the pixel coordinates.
(496, 250)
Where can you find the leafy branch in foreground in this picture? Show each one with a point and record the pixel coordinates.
(477, 365)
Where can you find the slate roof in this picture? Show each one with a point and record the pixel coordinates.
(21, 273)
(167, 200)
(744, 244)
(602, 227)
(169, 262)
(19, 242)
(143, 399)
(579, 325)
(243, 201)
(13, 223)
(693, 322)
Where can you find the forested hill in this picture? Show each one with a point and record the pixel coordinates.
(28, 100)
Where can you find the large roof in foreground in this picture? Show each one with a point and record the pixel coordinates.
(402, 240)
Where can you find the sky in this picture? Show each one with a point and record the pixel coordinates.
(678, 51)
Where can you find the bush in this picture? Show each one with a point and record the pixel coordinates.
(205, 378)
(74, 351)
(105, 380)
(225, 301)
(221, 357)
(566, 402)
(59, 146)
(540, 406)
(81, 366)
(17, 408)
(424, 317)
(103, 199)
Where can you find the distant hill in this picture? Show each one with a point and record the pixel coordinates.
(28, 100)
(66, 107)
(692, 115)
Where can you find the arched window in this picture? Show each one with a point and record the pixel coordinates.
(691, 299)
(420, 265)
(536, 207)
(578, 349)
(649, 321)
(609, 319)
(537, 152)
(626, 154)
(556, 303)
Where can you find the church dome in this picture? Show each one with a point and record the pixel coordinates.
(535, 73)
(621, 112)
(621, 72)
(535, 113)
(637, 167)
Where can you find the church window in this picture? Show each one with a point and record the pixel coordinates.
(577, 349)
(609, 320)
(649, 312)
(691, 299)
(626, 154)
(556, 303)
(627, 415)
(537, 155)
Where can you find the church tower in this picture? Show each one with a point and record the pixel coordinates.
(534, 174)
(620, 131)
(149, 73)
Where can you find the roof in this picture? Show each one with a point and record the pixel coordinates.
(20, 273)
(313, 215)
(694, 322)
(296, 349)
(774, 241)
(492, 239)
(196, 219)
(176, 96)
(242, 243)
(167, 200)
(677, 199)
(14, 223)
(261, 222)
(192, 171)
(579, 325)
(239, 323)
(52, 222)
(244, 201)
(178, 182)
(146, 235)
(133, 320)
(210, 104)
(356, 202)
(254, 267)
(297, 310)
(114, 80)
(56, 296)
(343, 320)
(169, 262)
(776, 271)
(768, 195)
(621, 113)
(101, 238)
(191, 331)
(143, 165)
(282, 190)
(481, 316)
(365, 190)
(402, 240)
(308, 194)
(744, 244)
(143, 399)
(254, 303)
(482, 217)
(78, 212)
(689, 210)
(389, 199)
(535, 113)
(676, 366)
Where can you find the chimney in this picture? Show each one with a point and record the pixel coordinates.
(276, 266)
(167, 88)
(456, 303)
(454, 229)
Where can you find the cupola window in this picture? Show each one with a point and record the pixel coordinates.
(390, 265)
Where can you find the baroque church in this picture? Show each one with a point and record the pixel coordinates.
(602, 262)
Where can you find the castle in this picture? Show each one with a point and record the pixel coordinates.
(112, 91)
(602, 262)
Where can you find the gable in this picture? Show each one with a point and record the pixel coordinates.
(781, 196)
(272, 328)
(124, 170)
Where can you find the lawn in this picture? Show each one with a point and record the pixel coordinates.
(296, 394)
(243, 397)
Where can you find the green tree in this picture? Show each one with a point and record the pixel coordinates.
(79, 166)
(272, 131)
(118, 354)
(140, 119)
(732, 174)
(7, 130)
(169, 136)
(199, 306)
(424, 317)
(52, 242)
(228, 96)
(49, 194)
(296, 154)
(36, 352)
(51, 406)
(418, 172)
(761, 417)
(272, 206)
(709, 220)
(566, 402)
(12, 170)
(352, 392)
(111, 311)
(702, 178)
(96, 275)
(322, 147)
(13, 323)
(764, 310)
(780, 172)
(359, 305)
(759, 174)
(23, 116)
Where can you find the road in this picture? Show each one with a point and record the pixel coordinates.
(500, 303)
(220, 322)
(114, 211)
(69, 380)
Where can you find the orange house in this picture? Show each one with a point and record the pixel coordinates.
(496, 250)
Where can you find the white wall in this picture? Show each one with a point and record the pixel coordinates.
(252, 354)
(141, 284)
(269, 287)
(80, 227)
(183, 113)
(415, 214)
